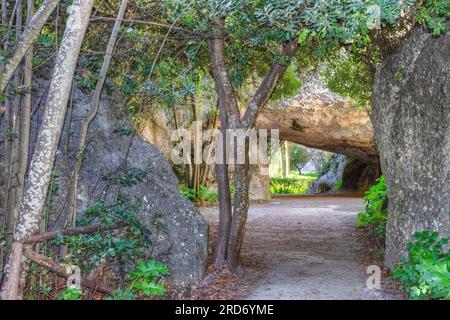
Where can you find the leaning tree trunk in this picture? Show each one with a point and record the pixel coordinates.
(33, 201)
(240, 211)
(25, 116)
(72, 207)
(229, 118)
(411, 119)
(223, 187)
(228, 104)
(29, 36)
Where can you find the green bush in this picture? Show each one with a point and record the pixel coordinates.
(186, 192)
(375, 213)
(339, 184)
(146, 279)
(122, 294)
(126, 243)
(207, 195)
(291, 185)
(70, 294)
(204, 195)
(425, 274)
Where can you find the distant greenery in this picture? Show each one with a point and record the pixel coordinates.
(375, 214)
(205, 195)
(329, 164)
(292, 185)
(425, 274)
(339, 184)
(298, 155)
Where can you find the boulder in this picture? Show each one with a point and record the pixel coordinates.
(411, 118)
(177, 231)
(328, 181)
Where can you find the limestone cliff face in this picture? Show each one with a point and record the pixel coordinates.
(411, 117)
(158, 130)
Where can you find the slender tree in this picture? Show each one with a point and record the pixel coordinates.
(71, 214)
(30, 34)
(38, 180)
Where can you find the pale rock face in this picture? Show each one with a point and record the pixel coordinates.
(322, 122)
(157, 130)
(411, 117)
(318, 118)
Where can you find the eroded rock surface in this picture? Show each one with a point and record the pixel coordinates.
(322, 121)
(411, 117)
(177, 233)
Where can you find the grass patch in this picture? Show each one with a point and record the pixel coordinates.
(292, 184)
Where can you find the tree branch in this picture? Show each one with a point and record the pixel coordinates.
(60, 270)
(225, 90)
(26, 40)
(268, 84)
(67, 232)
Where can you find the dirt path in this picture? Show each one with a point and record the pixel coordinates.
(308, 248)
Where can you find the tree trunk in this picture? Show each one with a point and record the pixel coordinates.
(207, 167)
(24, 43)
(72, 208)
(197, 149)
(25, 118)
(33, 201)
(287, 164)
(229, 116)
(240, 211)
(223, 187)
(13, 157)
(283, 159)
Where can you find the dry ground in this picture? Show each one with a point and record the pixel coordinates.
(304, 247)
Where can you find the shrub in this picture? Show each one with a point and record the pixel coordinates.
(126, 243)
(186, 192)
(146, 279)
(425, 274)
(375, 213)
(207, 195)
(291, 185)
(122, 294)
(70, 294)
(339, 184)
(204, 195)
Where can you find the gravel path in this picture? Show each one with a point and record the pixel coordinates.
(308, 248)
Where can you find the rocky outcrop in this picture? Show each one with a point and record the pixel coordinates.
(411, 117)
(176, 231)
(329, 180)
(319, 119)
(360, 173)
(347, 174)
(322, 121)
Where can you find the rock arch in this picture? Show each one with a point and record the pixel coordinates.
(319, 119)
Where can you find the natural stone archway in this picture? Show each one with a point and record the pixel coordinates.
(411, 117)
(319, 119)
(323, 122)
